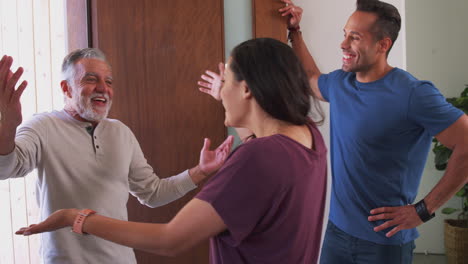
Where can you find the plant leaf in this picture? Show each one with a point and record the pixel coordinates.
(449, 210)
(442, 155)
(465, 92)
(461, 193)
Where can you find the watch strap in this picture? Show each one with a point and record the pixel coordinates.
(422, 212)
(79, 220)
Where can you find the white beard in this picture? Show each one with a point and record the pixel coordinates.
(85, 109)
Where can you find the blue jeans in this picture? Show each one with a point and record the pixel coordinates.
(341, 248)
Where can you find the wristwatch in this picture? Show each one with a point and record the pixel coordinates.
(421, 210)
(79, 220)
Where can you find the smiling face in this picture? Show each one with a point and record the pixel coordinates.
(233, 98)
(90, 92)
(360, 48)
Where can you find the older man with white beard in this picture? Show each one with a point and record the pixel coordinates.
(85, 160)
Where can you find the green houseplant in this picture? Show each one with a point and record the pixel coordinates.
(455, 230)
(442, 156)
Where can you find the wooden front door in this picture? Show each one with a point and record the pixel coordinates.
(158, 50)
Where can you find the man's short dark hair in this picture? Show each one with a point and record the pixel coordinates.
(388, 21)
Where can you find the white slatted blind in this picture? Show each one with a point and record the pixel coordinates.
(33, 33)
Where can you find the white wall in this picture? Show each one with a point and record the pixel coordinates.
(436, 51)
(237, 29)
(237, 23)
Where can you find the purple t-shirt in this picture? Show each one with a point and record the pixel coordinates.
(270, 193)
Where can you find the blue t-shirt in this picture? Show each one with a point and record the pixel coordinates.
(381, 133)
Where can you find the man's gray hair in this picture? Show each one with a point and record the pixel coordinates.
(68, 65)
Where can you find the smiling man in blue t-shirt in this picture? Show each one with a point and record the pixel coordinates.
(382, 123)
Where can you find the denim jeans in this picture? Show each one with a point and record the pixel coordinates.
(341, 248)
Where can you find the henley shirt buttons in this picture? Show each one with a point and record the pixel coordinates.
(97, 146)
